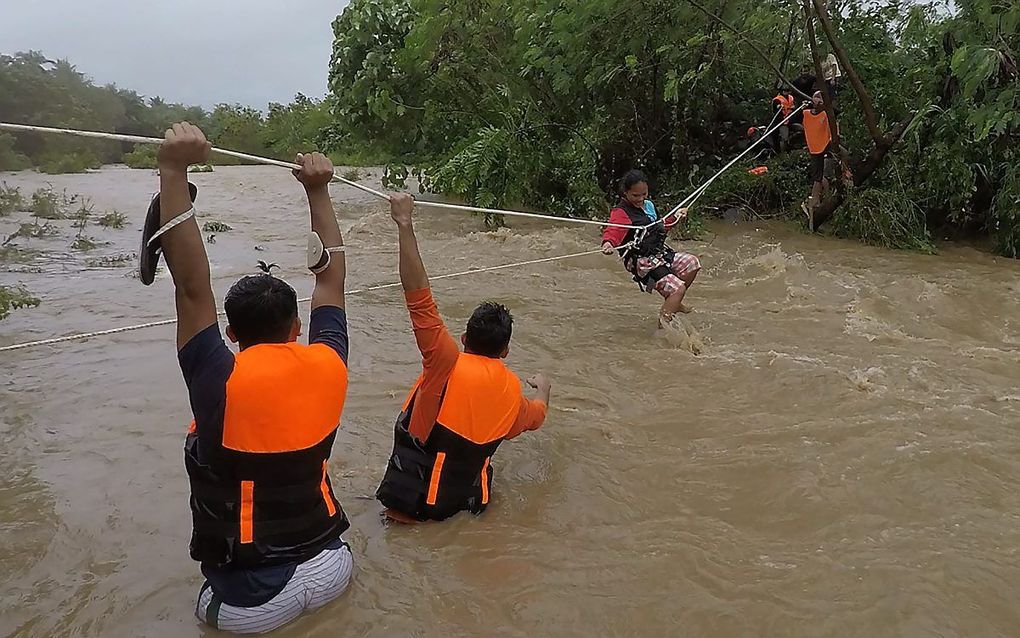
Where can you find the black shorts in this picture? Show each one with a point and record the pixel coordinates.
(821, 165)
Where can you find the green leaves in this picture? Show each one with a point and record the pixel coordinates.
(974, 66)
(545, 103)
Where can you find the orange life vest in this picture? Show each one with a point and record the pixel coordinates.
(785, 103)
(816, 131)
(260, 494)
(452, 471)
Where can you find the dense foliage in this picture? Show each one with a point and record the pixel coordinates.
(544, 103)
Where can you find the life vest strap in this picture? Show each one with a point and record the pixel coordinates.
(262, 528)
(292, 493)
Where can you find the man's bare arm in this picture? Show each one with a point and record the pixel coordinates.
(183, 247)
(315, 174)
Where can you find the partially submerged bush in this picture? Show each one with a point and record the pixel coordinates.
(48, 204)
(1006, 216)
(110, 261)
(113, 219)
(11, 199)
(32, 230)
(83, 243)
(883, 217)
(15, 298)
(81, 219)
(68, 163)
(143, 156)
(216, 227)
(351, 174)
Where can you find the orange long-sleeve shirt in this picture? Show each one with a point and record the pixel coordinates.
(439, 353)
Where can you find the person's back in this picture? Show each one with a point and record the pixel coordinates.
(265, 422)
(266, 524)
(461, 408)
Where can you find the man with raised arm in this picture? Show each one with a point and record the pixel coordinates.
(267, 526)
(463, 405)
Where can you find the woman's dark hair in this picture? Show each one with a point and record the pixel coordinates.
(489, 330)
(631, 179)
(261, 309)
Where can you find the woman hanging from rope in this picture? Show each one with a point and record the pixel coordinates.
(654, 264)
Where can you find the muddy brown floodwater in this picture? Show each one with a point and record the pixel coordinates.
(842, 459)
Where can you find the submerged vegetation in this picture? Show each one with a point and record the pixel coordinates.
(15, 298)
(216, 227)
(11, 199)
(113, 219)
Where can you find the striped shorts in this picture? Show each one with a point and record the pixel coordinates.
(315, 582)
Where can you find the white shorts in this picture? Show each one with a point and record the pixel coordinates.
(315, 582)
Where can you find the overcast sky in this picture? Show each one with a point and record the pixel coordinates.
(193, 51)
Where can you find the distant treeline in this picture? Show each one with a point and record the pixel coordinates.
(37, 90)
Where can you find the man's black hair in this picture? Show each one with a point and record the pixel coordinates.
(631, 179)
(261, 309)
(489, 330)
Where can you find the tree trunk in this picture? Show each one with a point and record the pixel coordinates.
(820, 82)
(867, 107)
(865, 170)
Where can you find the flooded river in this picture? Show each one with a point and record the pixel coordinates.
(842, 458)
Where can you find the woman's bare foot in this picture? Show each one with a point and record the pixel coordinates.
(684, 308)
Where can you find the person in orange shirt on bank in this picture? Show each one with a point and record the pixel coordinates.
(463, 405)
(819, 143)
(783, 105)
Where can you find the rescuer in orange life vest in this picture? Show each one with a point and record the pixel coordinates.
(784, 105)
(462, 406)
(818, 135)
(267, 525)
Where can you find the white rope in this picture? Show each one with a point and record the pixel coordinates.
(696, 195)
(167, 322)
(24, 128)
(688, 201)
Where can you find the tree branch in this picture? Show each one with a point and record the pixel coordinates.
(749, 43)
(866, 169)
(816, 58)
(867, 107)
